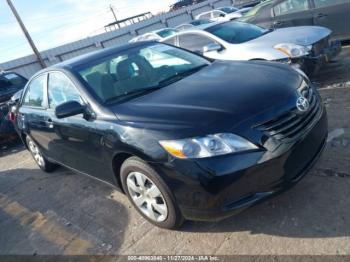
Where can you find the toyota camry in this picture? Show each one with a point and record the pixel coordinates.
(182, 136)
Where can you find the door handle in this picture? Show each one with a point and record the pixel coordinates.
(321, 15)
(49, 123)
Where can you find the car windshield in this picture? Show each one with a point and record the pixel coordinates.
(11, 80)
(166, 32)
(139, 70)
(236, 32)
(228, 9)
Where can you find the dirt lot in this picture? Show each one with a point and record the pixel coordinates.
(66, 213)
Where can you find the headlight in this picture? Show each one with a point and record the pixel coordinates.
(207, 146)
(292, 50)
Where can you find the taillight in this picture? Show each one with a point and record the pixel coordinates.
(12, 117)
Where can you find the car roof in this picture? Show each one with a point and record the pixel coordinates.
(84, 59)
(206, 26)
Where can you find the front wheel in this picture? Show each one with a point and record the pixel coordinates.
(149, 194)
(41, 161)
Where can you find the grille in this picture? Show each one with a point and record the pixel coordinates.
(291, 125)
(320, 46)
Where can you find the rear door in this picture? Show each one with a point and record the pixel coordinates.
(335, 15)
(32, 116)
(289, 13)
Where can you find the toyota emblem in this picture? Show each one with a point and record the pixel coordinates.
(303, 104)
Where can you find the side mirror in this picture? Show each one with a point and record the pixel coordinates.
(70, 108)
(212, 47)
(222, 15)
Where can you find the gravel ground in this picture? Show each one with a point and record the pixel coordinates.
(66, 213)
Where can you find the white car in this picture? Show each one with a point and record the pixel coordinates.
(222, 14)
(156, 35)
(307, 47)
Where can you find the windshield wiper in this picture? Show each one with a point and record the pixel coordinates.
(180, 75)
(159, 85)
(267, 31)
(132, 93)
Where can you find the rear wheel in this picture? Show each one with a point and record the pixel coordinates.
(149, 194)
(40, 160)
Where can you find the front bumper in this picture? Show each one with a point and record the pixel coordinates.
(216, 188)
(311, 64)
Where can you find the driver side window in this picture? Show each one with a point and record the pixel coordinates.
(291, 6)
(61, 90)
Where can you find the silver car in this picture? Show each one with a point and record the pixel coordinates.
(307, 47)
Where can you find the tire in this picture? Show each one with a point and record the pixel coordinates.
(38, 157)
(131, 171)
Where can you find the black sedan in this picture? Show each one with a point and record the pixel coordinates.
(10, 84)
(182, 136)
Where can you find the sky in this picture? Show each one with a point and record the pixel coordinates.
(53, 23)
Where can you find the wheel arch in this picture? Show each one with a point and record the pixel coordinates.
(120, 157)
(117, 163)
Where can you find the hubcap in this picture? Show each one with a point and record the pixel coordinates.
(147, 196)
(36, 153)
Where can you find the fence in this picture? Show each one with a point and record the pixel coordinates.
(27, 66)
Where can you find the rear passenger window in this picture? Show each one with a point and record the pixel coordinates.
(34, 96)
(323, 3)
(61, 90)
(291, 6)
(194, 42)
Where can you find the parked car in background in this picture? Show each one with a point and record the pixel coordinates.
(183, 3)
(247, 3)
(156, 35)
(307, 47)
(333, 14)
(12, 105)
(221, 14)
(193, 23)
(184, 137)
(10, 83)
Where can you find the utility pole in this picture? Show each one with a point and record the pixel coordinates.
(30, 41)
(115, 17)
(112, 10)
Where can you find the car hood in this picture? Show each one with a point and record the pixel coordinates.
(301, 35)
(222, 94)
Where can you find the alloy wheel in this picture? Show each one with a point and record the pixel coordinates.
(36, 153)
(147, 196)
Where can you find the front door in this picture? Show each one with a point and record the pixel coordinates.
(335, 15)
(292, 13)
(76, 141)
